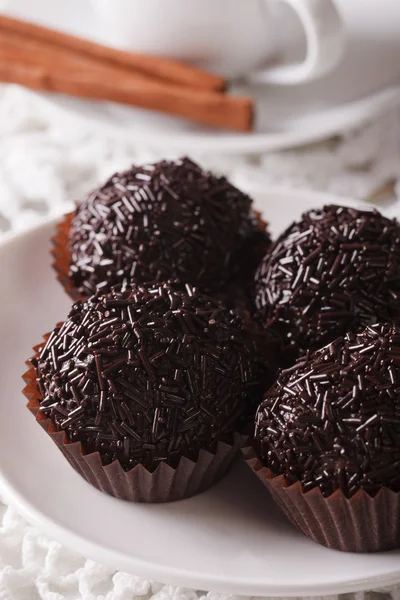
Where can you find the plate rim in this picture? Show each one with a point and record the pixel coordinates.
(166, 574)
(341, 118)
(170, 575)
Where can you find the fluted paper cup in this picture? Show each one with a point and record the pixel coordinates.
(61, 256)
(165, 484)
(358, 524)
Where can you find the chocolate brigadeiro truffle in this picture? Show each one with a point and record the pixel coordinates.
(336, 269)
(328, 437)
(148, 384)
(160, 221)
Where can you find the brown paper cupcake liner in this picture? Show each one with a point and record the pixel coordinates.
(61, 257)
(165, 484)
(357, 524)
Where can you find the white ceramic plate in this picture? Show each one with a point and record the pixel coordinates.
(230, 538)
(287, 116)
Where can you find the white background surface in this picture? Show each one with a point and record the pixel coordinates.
(44, 166)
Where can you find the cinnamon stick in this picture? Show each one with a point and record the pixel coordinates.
(35, 52)
(208, 108)
(169, 71)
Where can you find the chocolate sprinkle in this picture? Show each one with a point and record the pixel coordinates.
(148, 374)
(169, 219)
(337, 269)
(333, 420)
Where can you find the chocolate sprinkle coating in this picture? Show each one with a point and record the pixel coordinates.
(148, 374)
(162, 221)
(333, 420)
(335, 270)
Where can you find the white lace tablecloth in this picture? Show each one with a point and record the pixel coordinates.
(44, 167)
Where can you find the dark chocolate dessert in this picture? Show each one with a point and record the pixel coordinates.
(336, 269)
(148, 374)
(333, 420)
(169, 219)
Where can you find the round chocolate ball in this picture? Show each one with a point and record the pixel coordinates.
(336, 269)
(148, 374)
(332, 421)
(161, 221)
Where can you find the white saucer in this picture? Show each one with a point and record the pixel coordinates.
(229, 539)
(287, 117)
